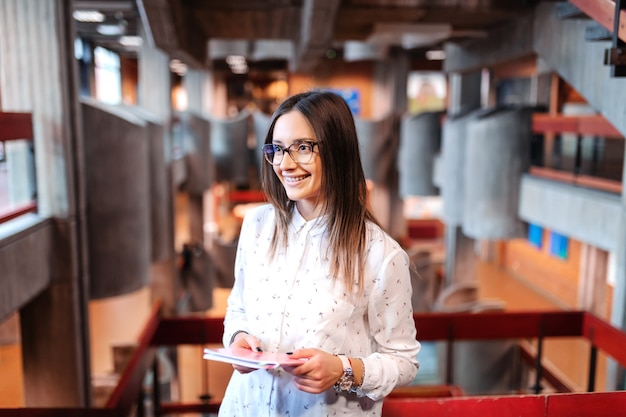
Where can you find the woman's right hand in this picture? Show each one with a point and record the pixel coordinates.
(246, 341)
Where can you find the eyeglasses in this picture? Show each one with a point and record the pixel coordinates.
(300, 152)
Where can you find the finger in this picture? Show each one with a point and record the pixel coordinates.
(303, 353)
(308, 385)
(243, 369)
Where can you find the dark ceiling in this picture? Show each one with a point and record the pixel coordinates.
(299, 31)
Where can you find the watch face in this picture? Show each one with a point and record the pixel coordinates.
(345, 384)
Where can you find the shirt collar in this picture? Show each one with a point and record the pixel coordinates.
(314, 226)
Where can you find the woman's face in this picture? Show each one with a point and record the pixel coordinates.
(302, 181)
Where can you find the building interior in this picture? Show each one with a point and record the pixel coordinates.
(492, 139)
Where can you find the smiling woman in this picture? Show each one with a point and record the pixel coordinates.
(317, 278)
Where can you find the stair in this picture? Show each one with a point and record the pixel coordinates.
(562, 44)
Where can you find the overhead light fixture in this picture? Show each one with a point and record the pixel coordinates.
(110, 30)
(237, 64)
(88, 16)
(178, 67)
(436, 55)
(131, 41)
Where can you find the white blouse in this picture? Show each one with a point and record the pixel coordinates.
(292, 303)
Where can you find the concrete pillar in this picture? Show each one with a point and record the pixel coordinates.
(592, 280)
(198, 156)
(420, 140)
(118, 198)
(229, 148)
(155, 80)
(53, 353)
(261, 122)
(496, 157)
(616, 375)
(464, 97)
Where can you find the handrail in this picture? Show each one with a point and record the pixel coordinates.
(576, 179)
(603, 12)
(592, 124)
(15, 126)
(5, 216)
(161, 331)
(129, 387)
(601, 404)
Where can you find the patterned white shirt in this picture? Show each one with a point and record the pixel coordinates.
(292, 303)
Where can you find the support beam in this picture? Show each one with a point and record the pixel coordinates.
(316, 33)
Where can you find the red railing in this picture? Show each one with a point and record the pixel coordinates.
(595, 125)
(449, 327)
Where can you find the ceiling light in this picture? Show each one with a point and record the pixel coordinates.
(110, 30)
(131, 41)
(88, 16)
(436, 55)
(178, 67)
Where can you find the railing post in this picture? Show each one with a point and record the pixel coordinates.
(593, 361)
(450, 355)
(156, 393)
(538, 369)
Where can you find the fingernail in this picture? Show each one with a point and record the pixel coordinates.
(258, 349)
(289, 353)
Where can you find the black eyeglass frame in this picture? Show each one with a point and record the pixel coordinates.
(270, 149)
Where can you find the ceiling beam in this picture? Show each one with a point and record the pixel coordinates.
(164, 22)
(317, 25)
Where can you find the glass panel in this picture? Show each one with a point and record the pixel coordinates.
(17, 175)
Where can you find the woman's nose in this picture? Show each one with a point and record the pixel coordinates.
(287, 161)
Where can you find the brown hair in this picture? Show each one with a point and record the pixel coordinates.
(344, 202)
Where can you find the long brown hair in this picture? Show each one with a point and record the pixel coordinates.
(344, 202)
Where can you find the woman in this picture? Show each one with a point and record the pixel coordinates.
(316, 277)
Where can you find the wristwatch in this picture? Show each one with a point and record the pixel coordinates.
(346, 382)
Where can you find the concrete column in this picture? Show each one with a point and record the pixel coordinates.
(616, 375)
(389, 99)
(592, 280)
(460, 264)
(420, 140)
(198, 156)
(53, 353)
(495, 159)
(465, 97)
(118, 196)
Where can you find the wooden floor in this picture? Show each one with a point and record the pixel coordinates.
(567, 355)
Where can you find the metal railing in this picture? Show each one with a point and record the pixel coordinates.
(128, 395)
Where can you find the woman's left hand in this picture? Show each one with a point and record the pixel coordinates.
(318, 373)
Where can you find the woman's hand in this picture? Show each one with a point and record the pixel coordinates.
(318, 373)
(244, 340)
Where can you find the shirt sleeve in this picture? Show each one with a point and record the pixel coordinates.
(235, 317)
(390, 314)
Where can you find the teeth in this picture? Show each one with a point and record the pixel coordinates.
(294, 179)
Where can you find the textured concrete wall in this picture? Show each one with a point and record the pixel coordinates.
(496, 157)
(118, 198)
(161, 199)
(200, 168)
(23, 256)
(420, 140)
(589, 216)
(261, 122)
(377, 147)
(229, 148)
(454, 138)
